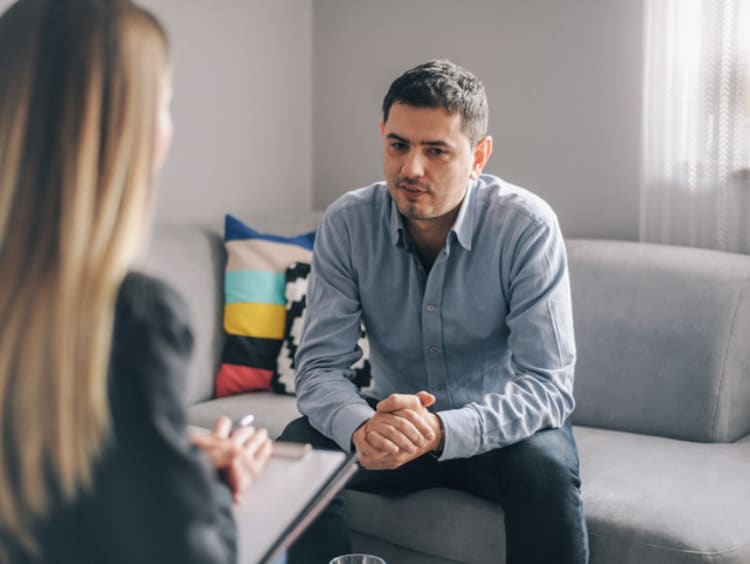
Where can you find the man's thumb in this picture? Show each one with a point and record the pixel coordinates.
(426, 398)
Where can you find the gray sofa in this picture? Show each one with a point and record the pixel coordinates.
(662, 421)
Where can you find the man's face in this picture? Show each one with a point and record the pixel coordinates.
(428, 161)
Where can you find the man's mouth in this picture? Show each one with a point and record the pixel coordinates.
(412, 188)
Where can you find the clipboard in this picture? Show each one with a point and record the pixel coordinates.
(288, 496)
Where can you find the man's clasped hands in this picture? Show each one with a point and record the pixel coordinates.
(401, 430)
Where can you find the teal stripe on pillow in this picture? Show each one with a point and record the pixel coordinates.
(254, 286)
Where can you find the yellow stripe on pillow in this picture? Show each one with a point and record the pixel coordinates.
(265, 321)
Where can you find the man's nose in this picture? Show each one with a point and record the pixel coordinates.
(413, 165)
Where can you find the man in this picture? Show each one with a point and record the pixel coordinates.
(461, 281)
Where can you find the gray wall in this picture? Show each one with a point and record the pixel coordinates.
(563, 81)
(242, 108)
(277, 102)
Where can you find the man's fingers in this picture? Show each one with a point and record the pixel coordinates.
(426, 398)
(399, 430)
(386, 461)
(409, 424)
(399, 401)
(382, 443)
(365, 450)
(375, 459)
(407, 401)
(420, 423)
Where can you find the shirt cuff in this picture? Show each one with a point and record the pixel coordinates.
(347, 420)
(462, 433)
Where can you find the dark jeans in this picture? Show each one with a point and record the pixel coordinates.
(536, 481)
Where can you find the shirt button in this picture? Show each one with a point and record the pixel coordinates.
(433, 349)
(430, 307)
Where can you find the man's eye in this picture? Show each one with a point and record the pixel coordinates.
(436, 151)
(399, 146)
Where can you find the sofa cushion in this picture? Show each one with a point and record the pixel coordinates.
(651, 500)
(283, 381)
(662, 335)
(419, 522)
(648, 500)
(255, 307)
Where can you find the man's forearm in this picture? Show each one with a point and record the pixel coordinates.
(499, 420)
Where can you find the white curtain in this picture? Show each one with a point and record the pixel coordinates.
(695, 175)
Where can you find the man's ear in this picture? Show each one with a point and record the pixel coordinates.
(382, 129)
(482, 152)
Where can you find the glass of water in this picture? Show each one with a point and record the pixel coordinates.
(357, 559)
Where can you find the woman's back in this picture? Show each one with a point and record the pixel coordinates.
(154, 496)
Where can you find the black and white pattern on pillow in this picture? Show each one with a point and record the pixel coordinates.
(296, 301)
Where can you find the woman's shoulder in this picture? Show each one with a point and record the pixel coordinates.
(146, 298)
(148, 305)
(152, 332)
(151, 349)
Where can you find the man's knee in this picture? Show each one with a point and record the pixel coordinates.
(546, 462)
(300, 431)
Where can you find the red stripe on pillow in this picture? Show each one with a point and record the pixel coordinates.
(236, 379)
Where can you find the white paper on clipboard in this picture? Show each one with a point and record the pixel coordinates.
(287, 497)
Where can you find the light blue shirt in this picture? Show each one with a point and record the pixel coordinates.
(488, 330)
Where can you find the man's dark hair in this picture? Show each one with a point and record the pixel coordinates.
(442, 84)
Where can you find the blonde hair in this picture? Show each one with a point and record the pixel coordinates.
(79, 98)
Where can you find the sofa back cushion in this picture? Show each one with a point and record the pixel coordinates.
(663, 337)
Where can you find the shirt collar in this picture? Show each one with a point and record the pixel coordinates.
(463, 227)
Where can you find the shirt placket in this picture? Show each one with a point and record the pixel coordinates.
(433, 347)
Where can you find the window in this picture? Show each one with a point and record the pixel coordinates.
(695, 163)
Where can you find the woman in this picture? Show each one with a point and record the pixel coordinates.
(95, 462)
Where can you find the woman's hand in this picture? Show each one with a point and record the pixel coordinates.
(239, 457)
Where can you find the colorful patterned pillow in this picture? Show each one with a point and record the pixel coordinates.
(254, 304)
(296, 301)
